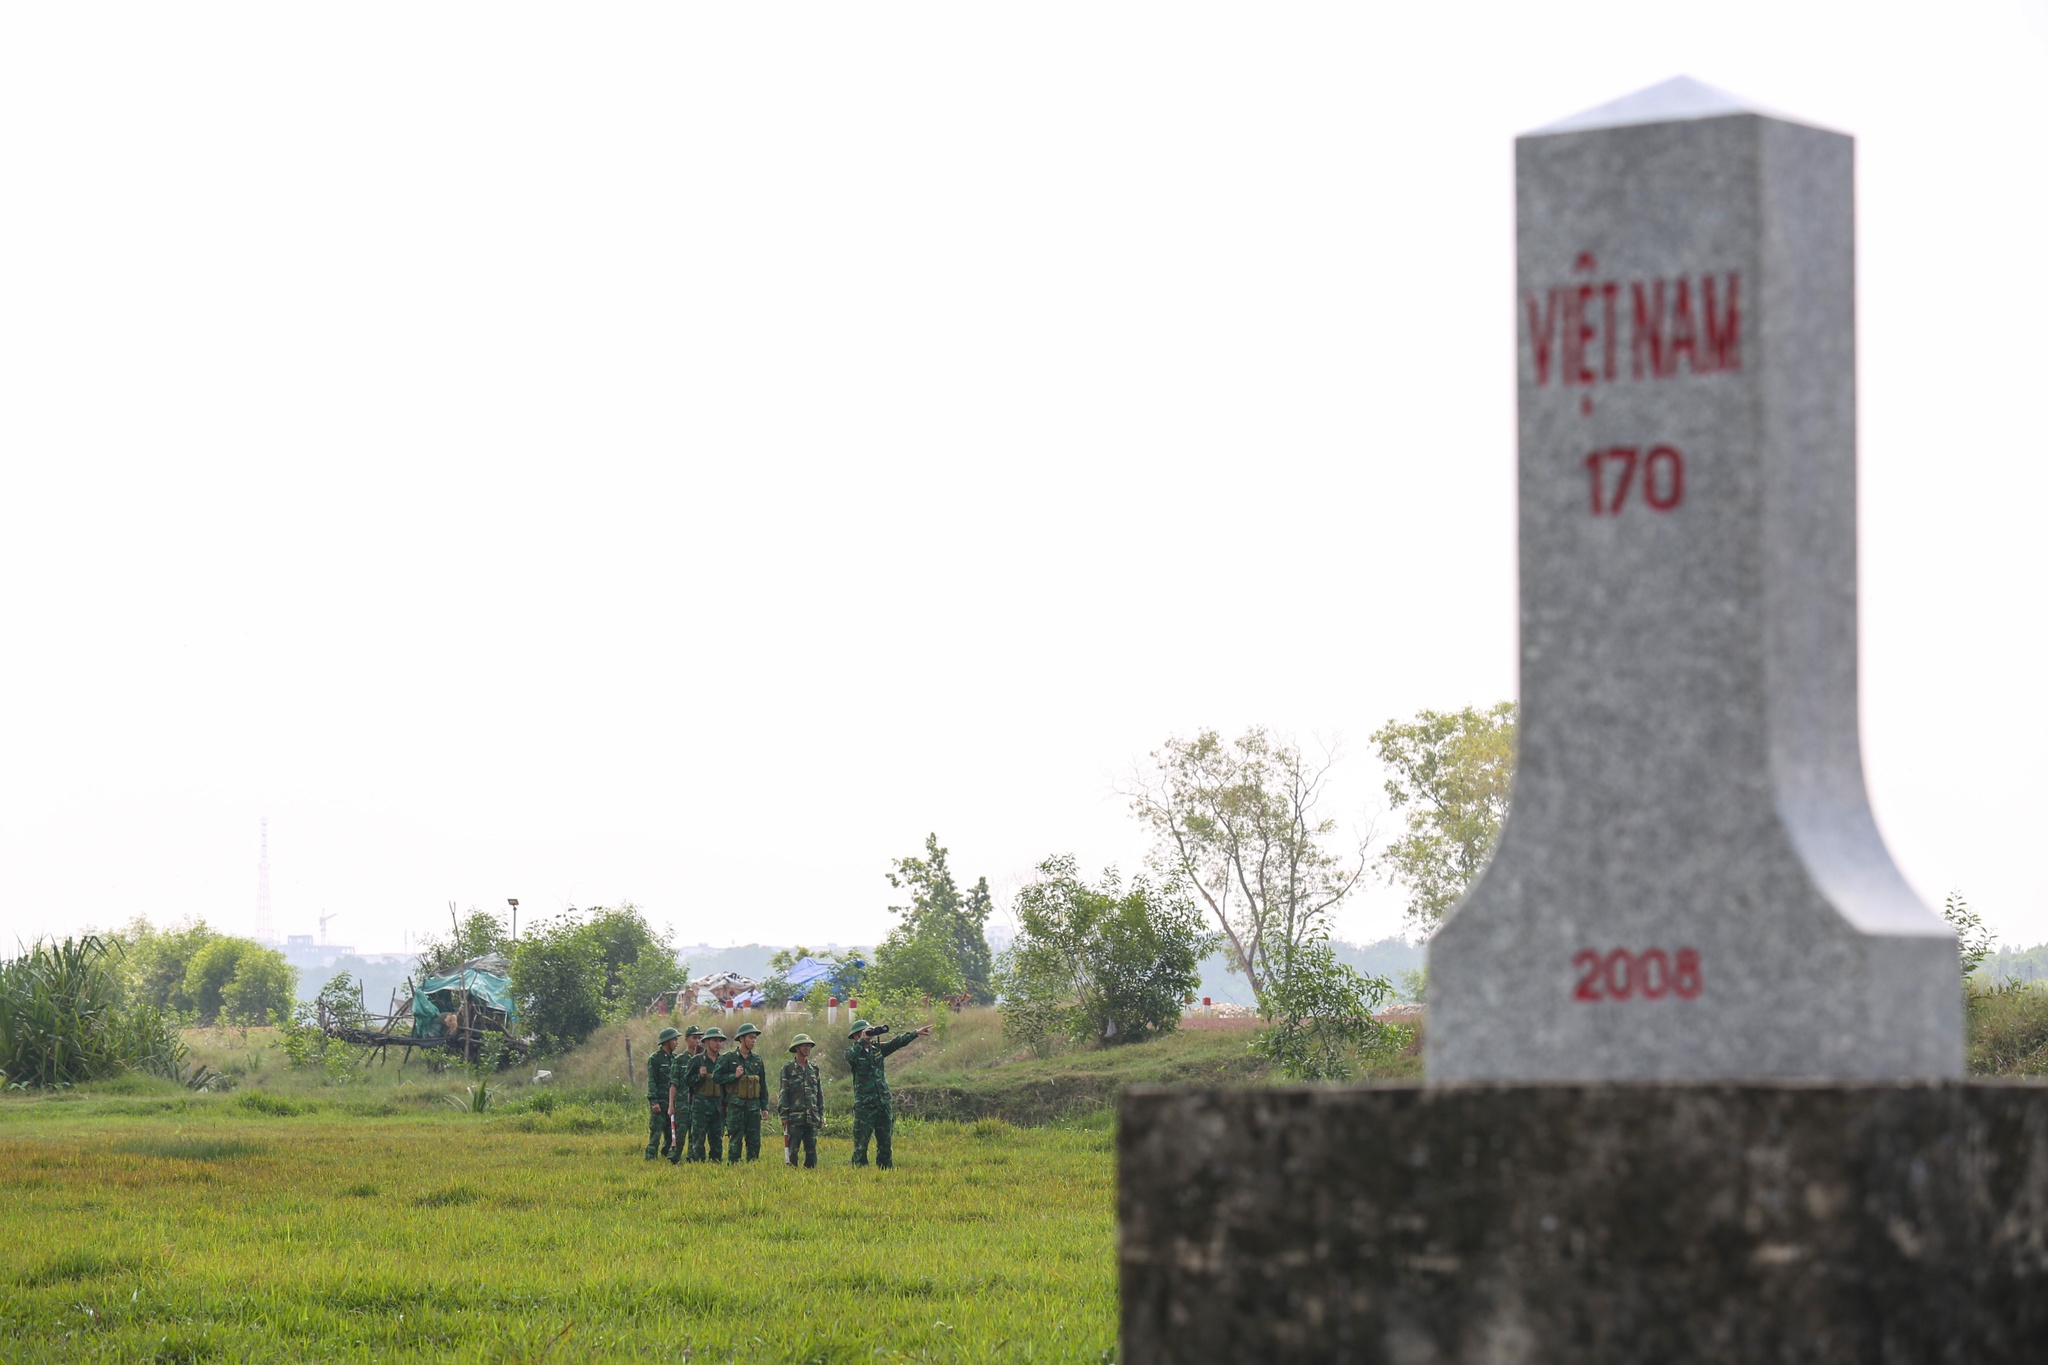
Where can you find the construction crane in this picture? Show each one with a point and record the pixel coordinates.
(323, 926)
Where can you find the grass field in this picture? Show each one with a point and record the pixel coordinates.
(156, 1224)
(352, 1212)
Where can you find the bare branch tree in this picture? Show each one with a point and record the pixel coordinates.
(1241, 824)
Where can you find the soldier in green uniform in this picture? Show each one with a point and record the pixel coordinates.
(744, 1078)
(801, 1104)
(661, 1129)
(678, 1096)
(707, 1105)
(872, 1113)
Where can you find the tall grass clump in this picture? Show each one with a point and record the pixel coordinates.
(63, 1019)
(2008, 1029)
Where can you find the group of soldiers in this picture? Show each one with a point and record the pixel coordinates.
(710, 1101)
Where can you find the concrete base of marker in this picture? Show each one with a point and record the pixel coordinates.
(1585, 1224)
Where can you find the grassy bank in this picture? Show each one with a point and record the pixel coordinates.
(966, 1071)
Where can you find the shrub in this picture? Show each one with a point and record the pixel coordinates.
(1105, 962)
(63, 1018)
(1322, 1023)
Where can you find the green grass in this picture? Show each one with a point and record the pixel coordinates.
(201, 1228)
(355, 1214)
(190, 1148)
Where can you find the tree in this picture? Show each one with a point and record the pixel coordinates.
(638, 964)
(1240, 824)
(261, 990)
(1105, 962)
(558, 977)
(908, 966)
(153, 962)
(939, 914)
(1451, 773)
(480, 933)
(238, 981)
(572, 973)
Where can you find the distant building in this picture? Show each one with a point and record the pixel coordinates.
(301, 951)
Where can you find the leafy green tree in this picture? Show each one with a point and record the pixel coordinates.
(558, 979)
(261, 990)
(1451, 771)
(1241, 824)
(238, 981)
(479, 933)
(940, 914)
(1975, 940)
(1106, 962)
(910, 966)
(152, 962)
(1321, 1012)
(638, 963)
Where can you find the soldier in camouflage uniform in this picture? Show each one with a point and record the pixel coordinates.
(744, 1079)
(801, 1104)
(661, 1129)
(678, 1097)
(872, 1113)
(707, 1105)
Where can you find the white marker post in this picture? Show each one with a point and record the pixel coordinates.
(1690, 883)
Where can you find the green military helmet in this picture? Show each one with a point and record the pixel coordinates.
(713, 1032)
(860, 1026)
(743, 1031)
(693, 1032)
(802, 1040)
(668, 1035)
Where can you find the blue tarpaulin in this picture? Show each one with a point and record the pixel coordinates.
(809, 970)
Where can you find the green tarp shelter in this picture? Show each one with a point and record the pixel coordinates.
(486, 981)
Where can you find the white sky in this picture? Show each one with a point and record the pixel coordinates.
(686, 453)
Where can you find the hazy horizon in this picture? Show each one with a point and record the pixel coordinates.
(688, 456)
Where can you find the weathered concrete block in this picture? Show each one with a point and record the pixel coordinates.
(1574, 1225)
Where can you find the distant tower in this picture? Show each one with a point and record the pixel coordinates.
(263, 933)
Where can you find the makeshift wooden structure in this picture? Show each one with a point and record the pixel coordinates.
(453, 1013)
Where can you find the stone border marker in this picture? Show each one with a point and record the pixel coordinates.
(1690, 893)
(1690, 884)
